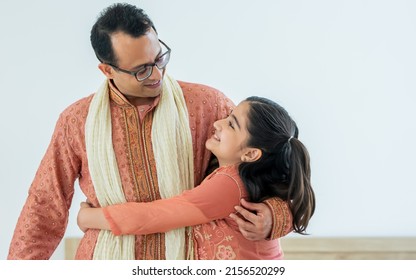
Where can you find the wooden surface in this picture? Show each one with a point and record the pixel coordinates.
(349, 248)
(328, 248)
(71, 245)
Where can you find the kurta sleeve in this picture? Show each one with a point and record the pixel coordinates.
(282, 217)
(214, 199)
(43, 219)
(225, 106)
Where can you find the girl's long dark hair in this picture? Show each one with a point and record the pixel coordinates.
(283, 170)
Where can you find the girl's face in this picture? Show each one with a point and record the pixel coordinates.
(228, 143)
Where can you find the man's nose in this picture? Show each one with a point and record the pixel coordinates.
(156, 73)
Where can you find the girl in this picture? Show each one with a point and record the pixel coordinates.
(259, 157)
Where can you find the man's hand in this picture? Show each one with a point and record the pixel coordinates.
(255, 222)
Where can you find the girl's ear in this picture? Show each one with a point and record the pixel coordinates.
(251, 155)
(106, 69)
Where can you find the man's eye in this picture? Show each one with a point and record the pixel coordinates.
(142, 71)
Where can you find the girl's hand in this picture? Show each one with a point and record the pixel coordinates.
(90, 217)
(81, 216)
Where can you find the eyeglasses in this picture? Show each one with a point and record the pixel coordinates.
(146, 70)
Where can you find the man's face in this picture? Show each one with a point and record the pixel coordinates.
(131, 53)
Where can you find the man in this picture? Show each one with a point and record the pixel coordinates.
(139, 138)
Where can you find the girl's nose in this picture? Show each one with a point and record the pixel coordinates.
(217, 125)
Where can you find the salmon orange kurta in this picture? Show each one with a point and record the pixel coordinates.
(44, 217)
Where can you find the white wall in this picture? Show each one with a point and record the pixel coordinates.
(345, 70)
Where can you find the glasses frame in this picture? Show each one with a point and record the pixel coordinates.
(134, 73)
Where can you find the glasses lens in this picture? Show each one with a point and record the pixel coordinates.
(163, 60)
(144, 73)
(160, 63)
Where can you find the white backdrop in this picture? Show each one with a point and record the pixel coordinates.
(345, 70)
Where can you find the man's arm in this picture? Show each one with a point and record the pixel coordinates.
(270, 219)
(43, 220)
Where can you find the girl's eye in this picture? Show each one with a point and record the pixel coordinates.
(230, 125)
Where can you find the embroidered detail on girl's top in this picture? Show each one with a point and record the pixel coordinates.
(225, 253)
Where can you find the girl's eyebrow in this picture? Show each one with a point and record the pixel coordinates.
(235, 119)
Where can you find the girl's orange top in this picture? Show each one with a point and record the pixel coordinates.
(207, 208)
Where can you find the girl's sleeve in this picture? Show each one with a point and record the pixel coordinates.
(213, 199)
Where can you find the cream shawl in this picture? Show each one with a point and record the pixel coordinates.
(172, 146)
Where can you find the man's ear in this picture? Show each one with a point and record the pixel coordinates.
(251, 155)
(106, 69)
